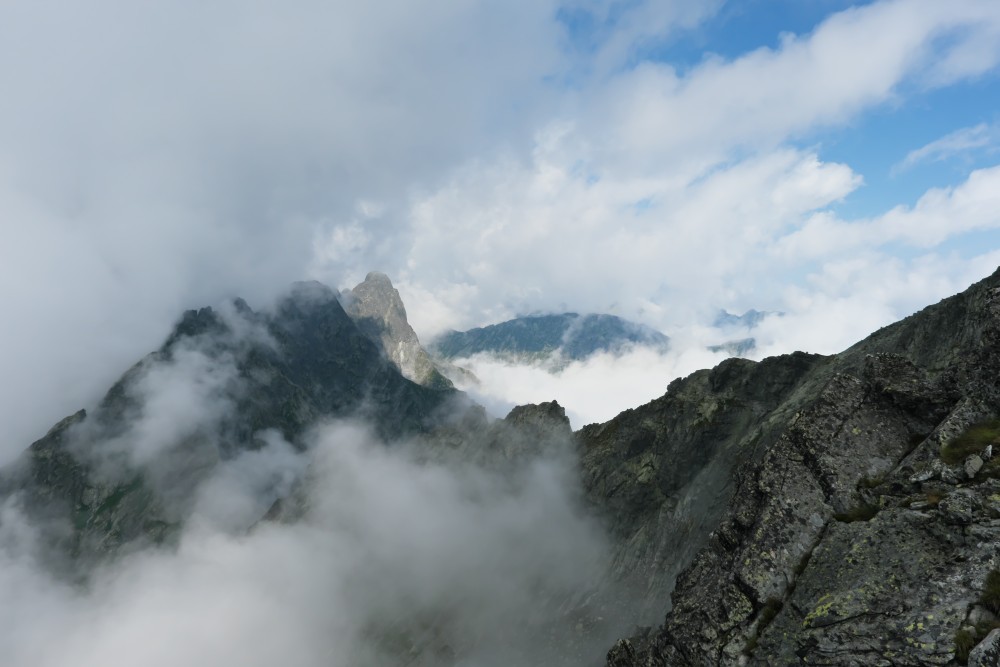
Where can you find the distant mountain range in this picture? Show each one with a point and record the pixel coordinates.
(570, 336)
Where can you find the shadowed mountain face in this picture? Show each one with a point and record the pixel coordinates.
(225, 381)
(541, 336)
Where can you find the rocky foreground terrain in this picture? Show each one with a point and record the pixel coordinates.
(805, 509)
(861, 522)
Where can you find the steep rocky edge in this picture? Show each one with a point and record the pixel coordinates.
(279, 371)
(376, 308)
(834, 534)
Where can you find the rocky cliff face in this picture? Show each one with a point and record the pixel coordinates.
(376, 308)
(861, 527)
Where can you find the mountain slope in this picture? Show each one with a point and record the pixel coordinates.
(849, 534)
(124, 473)
(571, 335)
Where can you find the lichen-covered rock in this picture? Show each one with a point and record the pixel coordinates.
(987, 652)
(973, 464)
(847, 540)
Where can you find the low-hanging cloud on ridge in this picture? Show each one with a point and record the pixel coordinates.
(399, 551)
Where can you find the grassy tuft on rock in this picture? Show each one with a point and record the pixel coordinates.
(972, 441)
(965, 641)
(990, 597)
(863, 512)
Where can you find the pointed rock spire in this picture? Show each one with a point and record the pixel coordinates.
(378, 311)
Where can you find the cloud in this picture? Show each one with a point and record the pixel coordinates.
(595, 389)
(939, 215)
(547, 236)
(653, 114)
(613, 34)
(663, 195)
(959, 142)
(167, 156)
(394, 552)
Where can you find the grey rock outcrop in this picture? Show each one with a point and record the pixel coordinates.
(377, 309)
(987, 653)
(844, 538)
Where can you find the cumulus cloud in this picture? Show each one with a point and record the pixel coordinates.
(939, 215)
(667, 195)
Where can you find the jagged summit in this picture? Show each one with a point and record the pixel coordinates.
(377, 309)
(311, 290)
(235, 374)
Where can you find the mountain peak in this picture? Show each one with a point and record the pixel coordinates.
(311, 291)
(377, 309)
(377, 278)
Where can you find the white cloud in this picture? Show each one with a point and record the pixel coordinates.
(653, 114)
(168, 155)
(662, 197)
(939, 215)
(592, 390)
(954, 143)
(546, 235)
(391, 551)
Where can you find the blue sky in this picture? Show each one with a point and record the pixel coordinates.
(874, 142)
(660, 160)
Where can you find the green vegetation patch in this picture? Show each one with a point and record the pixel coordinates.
(991, 469)
(990, 597)
(770, 609)
(872, 481)
(863, 512)
(973, 441)
(965, 641)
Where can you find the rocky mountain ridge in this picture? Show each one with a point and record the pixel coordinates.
(804, 509)
(854, 534)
